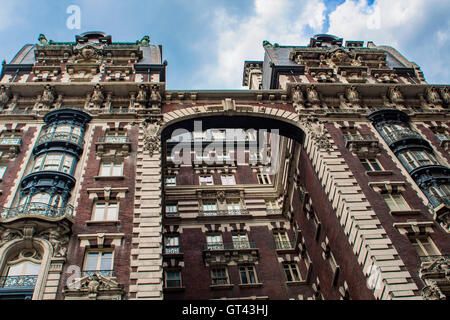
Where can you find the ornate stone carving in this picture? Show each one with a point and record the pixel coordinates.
(297, 97)
(312, 95)
(142, 96)
(395, 95)
(7, 234)
(445, 95)
(155, 96)
(97, 97)
(48, 96)
(432, 292)
(152, 137)
(4, 95)
(94, 287)
(432, 95)
(315, 128)
(352, 94)
(58, 238)
(145, 41)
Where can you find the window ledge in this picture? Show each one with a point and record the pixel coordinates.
(109, 177)
(296, 283)
(103, 222)
(405, 212)
(379, 173)
(221, 286)
(250, 285)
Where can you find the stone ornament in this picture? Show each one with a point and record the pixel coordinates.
(317, 131)
(97, 95)
(48, 96)
(142, 96)
(42, 40)
(152, 137)
(395, 95)
(4, 95)
(352, 94)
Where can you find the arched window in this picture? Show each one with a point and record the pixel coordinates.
(21, 271)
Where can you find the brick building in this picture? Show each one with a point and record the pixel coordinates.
(328, 179)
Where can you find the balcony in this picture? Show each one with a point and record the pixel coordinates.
(63, 139)
(10, 146)
(36, 210)
(220, 253)
(103, 273)
(444, 140)
(434, 272)
(284, 245)
(405, 139)
(18, 282)
(106, 144)
(223, 213)
(363, 145)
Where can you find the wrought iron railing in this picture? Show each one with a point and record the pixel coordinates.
(104, 273)
(358, 137)
(235, 245)
(172, 214)
(114, 139)
(397, 135)
(280, 245)
(10, 141)
(437, 201)
(18, 281)
(273, 211)
(172, 250)
(36, 208)
(61, 136)
(204, 213)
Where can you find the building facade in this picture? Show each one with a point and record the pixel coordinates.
(328, 178)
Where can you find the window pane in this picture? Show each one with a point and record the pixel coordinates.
(99, 211)
(106, 262)
(112, 211)
(117, 169)
(91, 261)
(105, 169)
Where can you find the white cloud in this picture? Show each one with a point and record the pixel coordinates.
(414, 27)
(281, 21)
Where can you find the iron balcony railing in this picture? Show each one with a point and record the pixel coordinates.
(172, 250)
(209, 213)
(36, 208)
(61, 136)
(397, 135)
(358, 137)
(10, 141)
(104, 273)
(280, 245)
(437, 201)
(114, 139)
(235, 245)
(18, 281)
(273, 211)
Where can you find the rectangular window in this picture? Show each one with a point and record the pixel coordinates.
(247, 274)
(291, 271)
(233, 208)
(395, 201)
(99, 260)
(52, 161)
(170, 181)
(111, 169)
(106, 211)
(209, 209)
(115, 137)
(206, 180)
(173, 278)
(219, 276)
(281, 240)
(424, 246)
(171, 210)
(263, 178)
(214, 242)
(228, 179)
(172, 244)
(371, 164)
(240, 241)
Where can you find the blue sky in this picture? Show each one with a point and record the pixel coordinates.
(207, 41)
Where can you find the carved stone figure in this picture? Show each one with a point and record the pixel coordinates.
(7, 235)
(48, 96)
(351, 94)
(145, 41)
(445, 95)
(4, 96)
(142, 96)
(432, 292)
(97, 95)
(42, 40)
(432, 95)
(155, 96)
(395, 95)
(297, 95)
(312, 94)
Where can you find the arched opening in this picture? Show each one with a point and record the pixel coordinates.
(20, 274)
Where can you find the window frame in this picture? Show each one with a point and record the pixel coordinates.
(248, 270)
(107, 206)
(291, 266)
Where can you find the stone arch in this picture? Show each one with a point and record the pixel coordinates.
(286, 122)
(45, 250)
